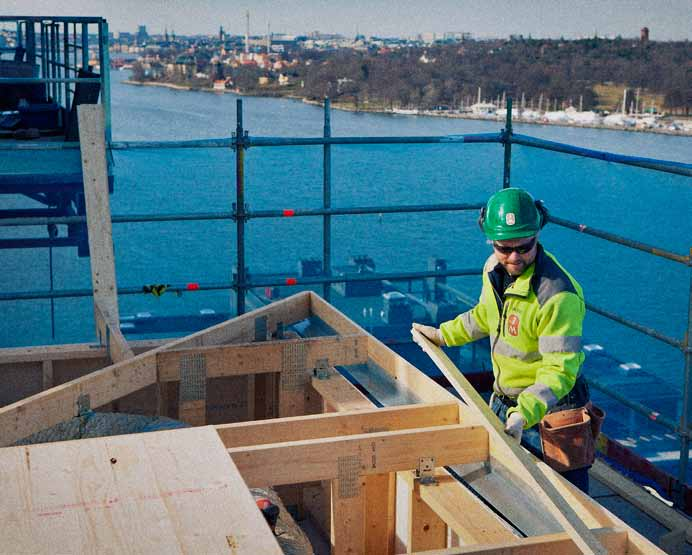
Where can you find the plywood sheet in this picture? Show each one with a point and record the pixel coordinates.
(166, 492)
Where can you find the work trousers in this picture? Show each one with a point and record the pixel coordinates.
(531, 439)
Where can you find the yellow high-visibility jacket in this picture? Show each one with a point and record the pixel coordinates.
(535, 330)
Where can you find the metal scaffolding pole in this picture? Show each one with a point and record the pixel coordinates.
(686, 414)
(239, 207)
(327, 201)
(507, 141)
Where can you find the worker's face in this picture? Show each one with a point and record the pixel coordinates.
(516, 255)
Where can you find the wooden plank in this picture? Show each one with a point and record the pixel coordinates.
(340, 394)
(110, 335)
(426, 529)
(51, 352)
(378, 526)
(348, 515)
(591, 511)
(47, 371)
(193, 413)
(551, 497)
(614, 540)
(92, 143)
(407, 374)
(380, 506)
(340, 323)
(375, 453)
(164, 492)
(265, 356)
(242, 328)
(50, 407)
(55, 405)
(299, 428)
(266, 396)
(640, 498)
(470, 519)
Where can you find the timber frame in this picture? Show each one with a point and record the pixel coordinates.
(375, 479)
(267, 408)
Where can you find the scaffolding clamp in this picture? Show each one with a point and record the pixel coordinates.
(240, 214)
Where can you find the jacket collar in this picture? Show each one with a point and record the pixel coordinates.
(522, 285)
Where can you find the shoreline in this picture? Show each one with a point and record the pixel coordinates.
(347, 108)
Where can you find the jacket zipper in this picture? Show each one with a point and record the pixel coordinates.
(500, 330)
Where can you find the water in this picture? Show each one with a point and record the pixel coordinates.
(640, 204)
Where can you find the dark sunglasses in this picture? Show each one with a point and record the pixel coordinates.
(520, 249)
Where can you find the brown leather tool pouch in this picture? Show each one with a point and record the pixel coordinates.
(567, 439)
(597, 415)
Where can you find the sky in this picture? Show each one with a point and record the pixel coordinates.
(666, 19)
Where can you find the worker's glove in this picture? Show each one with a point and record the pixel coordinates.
(432, 333)
(515, 425)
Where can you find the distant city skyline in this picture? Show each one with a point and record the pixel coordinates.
(667, 19)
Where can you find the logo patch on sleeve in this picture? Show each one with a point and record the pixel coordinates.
(513, 325)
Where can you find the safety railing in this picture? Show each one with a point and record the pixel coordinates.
(59, 48)
(241, 214)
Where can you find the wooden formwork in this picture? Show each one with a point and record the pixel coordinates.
(302, 427)
(266, 410)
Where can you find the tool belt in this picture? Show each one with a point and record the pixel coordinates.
(568, 437)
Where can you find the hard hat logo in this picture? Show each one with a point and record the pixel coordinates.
(510, 219)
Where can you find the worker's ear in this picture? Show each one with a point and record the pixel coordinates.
(543, 214)
(481, 218)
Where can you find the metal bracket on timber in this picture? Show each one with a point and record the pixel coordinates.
(519, 459)
(425, 471)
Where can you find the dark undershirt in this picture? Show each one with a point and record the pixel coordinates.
(507, 280)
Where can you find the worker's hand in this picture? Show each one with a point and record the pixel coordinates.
(515, 425)
(432, 333)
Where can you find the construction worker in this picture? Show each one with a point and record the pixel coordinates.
(532, 310)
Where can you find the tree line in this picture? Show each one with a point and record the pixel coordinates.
(557, 71)
(554, 69)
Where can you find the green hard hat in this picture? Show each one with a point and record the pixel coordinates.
(510, 214)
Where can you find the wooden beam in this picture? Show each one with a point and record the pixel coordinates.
(470, 519)
(340, 323)
(338, 393)
(591, 511)
(92, 143)
(47, 374)
(380, 502)
(109, 334)
(50, 407)
(614, 540)
(60, 403)
(242, 328)
(52, 352)
(523, 462)
(429, 391)
(348, 516)
(265, 356)
(335, 424)
(379, 522)
(375, 453)
(426, 529)
(640, 498)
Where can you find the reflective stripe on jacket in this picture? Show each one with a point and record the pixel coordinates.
(535, 333)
